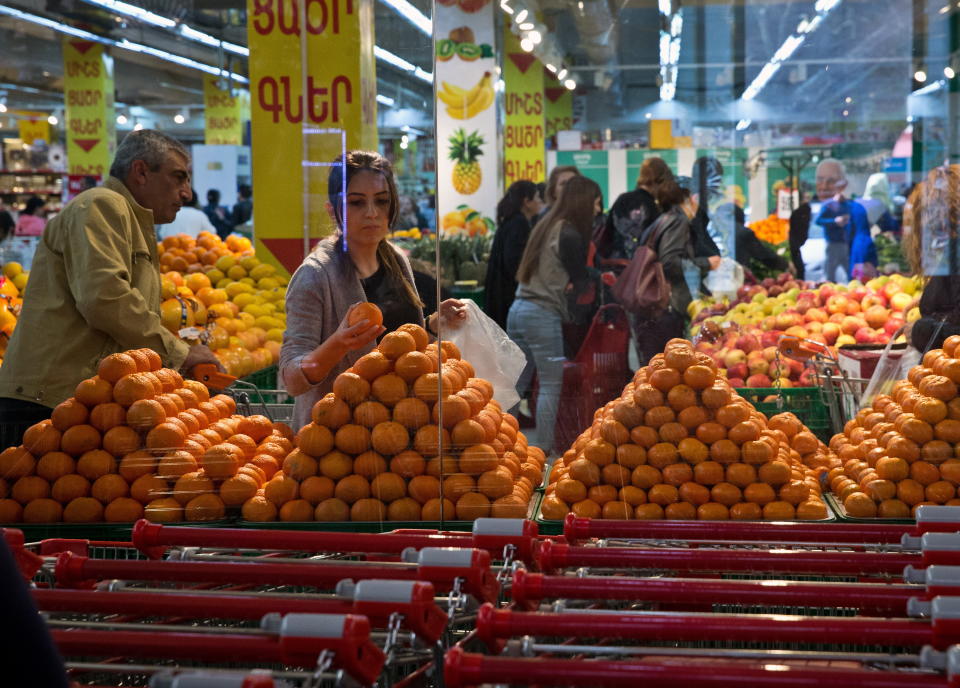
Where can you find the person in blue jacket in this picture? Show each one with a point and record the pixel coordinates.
(846, 227)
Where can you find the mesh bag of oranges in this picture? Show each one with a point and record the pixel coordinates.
(902, 451)
(680, 443)
(137, 440)
(409, 422)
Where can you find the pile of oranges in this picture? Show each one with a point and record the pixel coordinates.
(904, 450)
(137, 440)
(237, 301)
(772, 229)
(381, 446)
(13, 280)
(680, 443)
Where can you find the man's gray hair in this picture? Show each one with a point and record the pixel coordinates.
(148, 145)
(833, 161)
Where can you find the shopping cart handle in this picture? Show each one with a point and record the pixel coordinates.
(208, 374)
(801, 349)
(28, 562)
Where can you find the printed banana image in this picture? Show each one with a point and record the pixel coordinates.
(465, 103)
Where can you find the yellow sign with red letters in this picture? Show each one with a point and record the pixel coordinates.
(89, 114)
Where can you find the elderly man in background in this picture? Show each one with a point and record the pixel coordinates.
(95, 285)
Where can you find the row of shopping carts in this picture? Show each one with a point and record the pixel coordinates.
(607, 603)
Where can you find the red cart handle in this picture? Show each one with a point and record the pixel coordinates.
(209, 375)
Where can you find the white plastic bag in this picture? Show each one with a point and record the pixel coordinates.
(726, 279)
(493, 355)
(889, 369)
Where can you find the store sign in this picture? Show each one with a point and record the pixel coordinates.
(468, 162)
(593, 165)
(524, 152)
(558, 106)
(305, 114)
(88, 96)
(32, 126)
(223, 116)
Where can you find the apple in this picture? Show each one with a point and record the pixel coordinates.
(816, 315)
(831, 332)
(807, 378)
(876, 316)
(747, 343)
(770, 338)
(796, 331)
(738, 370)
(837, 304)
(759, 380)
(826, 291)
(735, 381)
(796, 367)
(770, 353)
(803, 305)
(900, 301)
(734, 357)
(757, 364)
(891, 288)
(876, 299)
(845, 340)
(768, 282)
(864, 335)
(894, 323)
(858, 293)
(817, 337)
(851, 324)
(882, 337)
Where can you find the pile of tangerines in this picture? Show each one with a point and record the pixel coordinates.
(904, 450)
(680, 443)
(382, 444)
(137, 440)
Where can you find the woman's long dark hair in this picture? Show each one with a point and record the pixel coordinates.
(512, 202)
(352, 163)
(574, 207)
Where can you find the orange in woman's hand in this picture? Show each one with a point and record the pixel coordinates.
(365, 311)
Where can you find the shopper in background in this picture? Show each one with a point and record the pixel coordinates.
(355, 264)
(876, 201)
(553, 273)
(845, 225)
(515, 211)
(670, 238)
(799, 232)
(559, 176)
(409, 215)
(217, 214)
(243, 210)
(9, 251)
(634, 211)
(190, 221)
(31, 220)
(706, 181)
(95, 287)
(932, 248)
(749, 249)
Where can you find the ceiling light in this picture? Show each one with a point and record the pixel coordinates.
(553, 70)
(412, 15)
(948, 72)
(3, 107)
(506, 8)
(52, 119)
(846, 113)
(137, 126)
(527, 26)
(930, 88)
(400, 63)
(563, 72)
(385, 100)
(121, 119)
(526, 45)
(570, 84)
(744, 124)
(521, 16)
(178, 118)
(848, 100)
(212, 41)
(134, 12)
(649, 115)
(920, 76)
(535, 37)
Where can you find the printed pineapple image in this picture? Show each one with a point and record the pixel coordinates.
(465, 150)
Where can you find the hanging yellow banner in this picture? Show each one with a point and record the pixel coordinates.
(297, 135)
(559, 106)
(32, 126)
(223, 114)
(88, 96)
(524, 154)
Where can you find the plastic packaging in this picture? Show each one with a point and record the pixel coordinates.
(726, 279)
(889, 369)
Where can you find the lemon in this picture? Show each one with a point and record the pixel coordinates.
(215, 275)
(12, 269)
(20, 281)
(247, 319)
(268, 283)
(249, 282)
(243, 299)
(260, 271)
(224, 263)
(249, 263)
(275, 334)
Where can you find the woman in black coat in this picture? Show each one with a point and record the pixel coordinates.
(515, 212)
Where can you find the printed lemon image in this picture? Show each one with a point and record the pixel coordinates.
(466, 221)
(465, 150)
(466, 103)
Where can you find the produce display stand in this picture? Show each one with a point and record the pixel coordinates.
(806, 403)
(837, 506)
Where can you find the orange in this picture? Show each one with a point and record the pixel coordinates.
(385, 487)
(297, 510)
(601, 494)
(615, 510)
(633, 496)
(711, 432)
(726, 494)
(774, 473)
(663, 494)
(259, 508)
(677, 474)
(80, 439)
(208, 507)
(222, 461)
(396, 344)
(368, 414)
(645, 477)
(121, 440)
(779, 511)
(109, 487)
(54, 465)
(299, 465)
(41, 438)
(659, 415)
(712, 511)
(466, 433)
(280, 489)
(369, 464)
(648, 512)
(146, 488)
(372, 365)
(30, 487)
(412, 365)
(266, 463)
(893, 469)
(83, 510)
(10, 511)
(106, 416)
(759, 493)
(403, 509)
(454, 409)
(693, 450)
(479, 458)
(134, 388)
(457, 485)
(795, 492)
(69, 413)
(135, 464)
(428, 439)
(41, 510)
(940, 491)
(190, 485)
(353, 487)
(335, 465)
(368, 509)
(408, 464)
(631, 455)
(423, 488)
(352, 439)
(437, 509)
(614, 474)
(924, 472)
(892, 508)
(16, 462)
(587, 508)
(859, 505)
(600, 451)
(332, 509)
(94, 391)
(746, 511)
(238, 489)
(389, 438)
(665, 379)
(365, 311)
(740, 474)
(96, 463)
(351, 388)
(115, 366)
(694, 493)
(331, 412)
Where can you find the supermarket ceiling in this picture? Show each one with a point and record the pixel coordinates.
(866, 50)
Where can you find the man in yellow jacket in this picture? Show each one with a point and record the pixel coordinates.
(94, 288)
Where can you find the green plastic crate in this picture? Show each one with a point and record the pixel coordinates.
(833, 501)
(266, 378)
(806, 403)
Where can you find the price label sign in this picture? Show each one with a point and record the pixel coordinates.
(787, 201)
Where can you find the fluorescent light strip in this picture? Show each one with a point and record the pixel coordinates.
(670, 52)
(212, 41)
(411, 14)
(123, 44)
(385, 100)
(930, 88)
(789, 47)
(400, 63)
